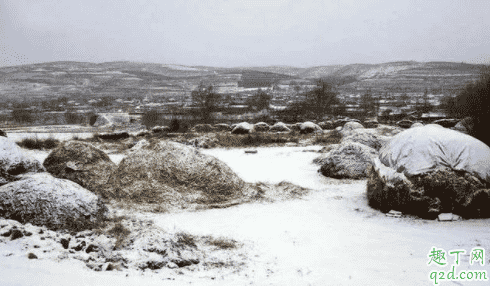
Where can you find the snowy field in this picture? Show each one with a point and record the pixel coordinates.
(330, 237)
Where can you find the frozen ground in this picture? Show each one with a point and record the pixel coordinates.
(330, 237)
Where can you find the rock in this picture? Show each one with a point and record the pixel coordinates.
(15, 161)
(171, 265)
(243, 128)
(81, 163)
(349, 127)
(80, 246)
(113, 135)
(295, 127)
(174, 174)
(15, 234)
(279, 127)
(92, 248)
(326, 125)
(41, 199)
(261, 127)
(205, 141)
(31, 255)
(3, 133)
(309, 127)
(65, 242)
(222, 127)
(349, 160)
(203, 128)
(160, 129)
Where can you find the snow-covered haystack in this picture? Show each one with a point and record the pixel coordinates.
(41, 199)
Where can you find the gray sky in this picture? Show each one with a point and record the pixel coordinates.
(244, 32)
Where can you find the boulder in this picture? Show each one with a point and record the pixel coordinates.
(431, 170)
(160, 129)
(222, 127)
(349, 128)
(404, 123)
(417, 124)
(203, 128)
(243, 128)
(3, 133)
(279, 127)
(81, 163)
(348, 160)
(326, 125)
(447, 123)
(15, 161)
(176, 176)
(262, 127)
(113, 136)
(41, 199)
(309, 127)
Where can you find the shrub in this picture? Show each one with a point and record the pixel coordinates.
(174, 125)
(150, 119)
(39, 144)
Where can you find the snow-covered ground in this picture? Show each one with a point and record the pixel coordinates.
(330, 237)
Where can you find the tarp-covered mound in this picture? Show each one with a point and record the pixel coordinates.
(41, 199)
(279, 127)
(262, 127)
(81, 163)
(222, 127)
(348, 160)
(429, 170)
(243, 128)
(15, 161)
(309, 127)
(175, 176)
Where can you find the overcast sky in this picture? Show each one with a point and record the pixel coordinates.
(244, 32)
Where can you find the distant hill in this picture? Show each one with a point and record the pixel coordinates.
(124, 77)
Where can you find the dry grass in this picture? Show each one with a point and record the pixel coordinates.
(185, 239)
(39, 144)
(221, 242)
(332, 137)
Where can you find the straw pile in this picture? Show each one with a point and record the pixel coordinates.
(175, 175)
(81, 163)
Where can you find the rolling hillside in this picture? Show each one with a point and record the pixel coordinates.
(123, 78)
